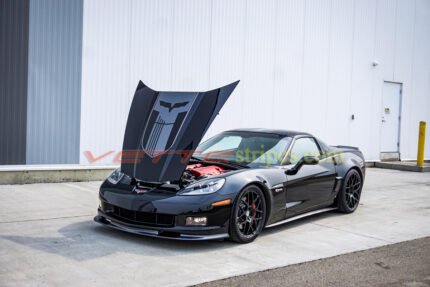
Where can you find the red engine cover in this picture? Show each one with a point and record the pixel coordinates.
(205, 170)
(193, 166)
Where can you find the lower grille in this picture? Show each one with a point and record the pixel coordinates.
(138, 217)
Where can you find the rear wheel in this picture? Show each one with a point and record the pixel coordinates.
(248, 215)
(349, 196)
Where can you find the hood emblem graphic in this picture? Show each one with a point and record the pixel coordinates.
(171, 106)
(166, 121)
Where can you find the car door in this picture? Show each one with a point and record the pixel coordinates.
(312, 185)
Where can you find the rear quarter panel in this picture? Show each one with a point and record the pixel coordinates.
(346, 160)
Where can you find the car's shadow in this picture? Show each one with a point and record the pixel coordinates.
(86, 240)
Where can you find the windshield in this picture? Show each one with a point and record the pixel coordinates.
(245, 148)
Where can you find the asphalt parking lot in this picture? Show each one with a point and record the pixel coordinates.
(402, 264)
(48, 238)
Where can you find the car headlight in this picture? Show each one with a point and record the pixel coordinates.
(115, 176)
(203, 187)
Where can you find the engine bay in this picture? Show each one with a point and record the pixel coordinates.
(192, 173)
(199, 171)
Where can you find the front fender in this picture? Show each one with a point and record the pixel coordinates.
(271, 181)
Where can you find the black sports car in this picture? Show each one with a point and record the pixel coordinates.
(232, 185)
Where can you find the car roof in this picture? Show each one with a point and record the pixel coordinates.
(286, 133)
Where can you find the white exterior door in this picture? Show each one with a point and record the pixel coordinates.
(391, 104)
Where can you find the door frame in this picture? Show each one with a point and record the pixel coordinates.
(297, 207)
(399, 130)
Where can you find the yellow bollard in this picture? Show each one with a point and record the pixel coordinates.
(421, 141)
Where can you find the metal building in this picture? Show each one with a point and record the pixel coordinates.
(353, 72)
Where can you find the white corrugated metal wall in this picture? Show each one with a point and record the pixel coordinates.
(304, 65)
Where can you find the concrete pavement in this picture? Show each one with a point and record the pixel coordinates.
(48, 238)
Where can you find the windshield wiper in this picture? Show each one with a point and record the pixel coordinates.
(196, 159)
(219, 161)
(223, 161)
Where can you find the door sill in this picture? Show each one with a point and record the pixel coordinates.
(301, 216)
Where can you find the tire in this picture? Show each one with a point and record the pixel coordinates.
(348, 197)
(248, 215)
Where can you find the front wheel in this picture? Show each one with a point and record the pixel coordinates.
(349, 196)
(248, 215)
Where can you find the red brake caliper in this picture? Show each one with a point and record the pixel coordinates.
(253, 208)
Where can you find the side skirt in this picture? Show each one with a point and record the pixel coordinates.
(301, 216)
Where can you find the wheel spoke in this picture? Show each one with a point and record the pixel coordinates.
(240, 221)
(248, 224)
(251, 228)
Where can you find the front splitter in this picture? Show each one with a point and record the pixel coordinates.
(154, 233)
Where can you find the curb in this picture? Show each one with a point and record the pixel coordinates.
(52, 174)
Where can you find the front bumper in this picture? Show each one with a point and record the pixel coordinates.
(162, 214)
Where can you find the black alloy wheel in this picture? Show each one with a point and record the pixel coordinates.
(349, 197)
(248, 215)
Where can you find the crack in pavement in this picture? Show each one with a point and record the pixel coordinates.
(44, 219)
(77, 186)
(355, 233)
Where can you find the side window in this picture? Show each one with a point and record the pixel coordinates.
(303, 147)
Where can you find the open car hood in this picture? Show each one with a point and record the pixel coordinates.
(164, 128)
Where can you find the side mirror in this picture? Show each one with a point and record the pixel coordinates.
(311, 160)
(306, 160)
